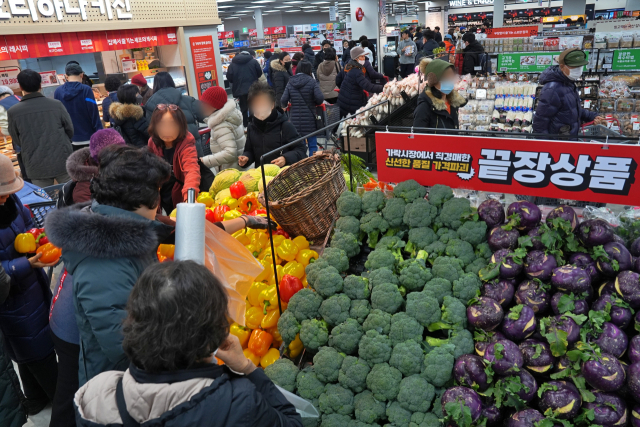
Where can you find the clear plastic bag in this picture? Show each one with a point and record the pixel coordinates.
(629, 228)
(592, 212)
(303, 406)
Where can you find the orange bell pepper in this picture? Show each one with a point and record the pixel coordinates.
(253, 317)
(241, 332)
(25, 243)
(270, 320)
(275, 333)
(249, 355)
(272, 355)
(248, 203)
(296, 347)
(165, 252)
(49, 253)
(259, 342)
(301, 242)
(254, 293)
(287, 250)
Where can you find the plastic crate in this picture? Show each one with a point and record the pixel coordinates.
(40, 210)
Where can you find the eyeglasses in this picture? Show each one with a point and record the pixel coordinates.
(164, 107)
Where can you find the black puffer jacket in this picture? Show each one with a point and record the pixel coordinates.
(132, 122)
(270, 134)
(280, 77)
(431, 111)
(304, 94)
(243, 71)
(352, 83)
(309, 55)
(471, 57)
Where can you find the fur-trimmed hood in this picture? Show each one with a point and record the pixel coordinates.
(354, 64)
(277, 66)
(80, 166)
(123, 112)
(228, 113)
(455, 99)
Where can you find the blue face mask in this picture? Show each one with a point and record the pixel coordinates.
(446, 87)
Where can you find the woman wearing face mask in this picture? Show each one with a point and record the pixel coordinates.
(559, 110)
(353, 82)
(346, 49)
(280, 75)
(439, 103)
(297, 57)
(269, 129)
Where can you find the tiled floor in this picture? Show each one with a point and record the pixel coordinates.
(41, 419)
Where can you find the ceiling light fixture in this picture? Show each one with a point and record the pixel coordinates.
(289, 11)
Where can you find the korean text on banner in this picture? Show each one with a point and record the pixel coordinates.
(204, 62)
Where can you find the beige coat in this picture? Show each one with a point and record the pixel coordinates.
(327, 73)
(227, 137)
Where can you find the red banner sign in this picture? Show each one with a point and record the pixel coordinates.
(267, 31)
(499, 33)
(17, 47)
(592, 172)
(204, 62)
(225, 35)
(278, 30)
(253, 32)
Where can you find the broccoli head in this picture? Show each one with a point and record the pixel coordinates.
(474, 232)
(438, 194)
(438, 288)
(475, 267)
(403, 328)
(466, 287)
(454, 313)
(314, 333)
(335, 309)
(356, 287)
(288, 326)
(356, 423)
(346, 336)
(393, 212)
(348, 224)
(391, 243)
(416, 394)
(349, 204)
(446, 234)
(386, 297)
(437, 402)
(373, 224)
(397, 415)
(483, 251)
(353, 374)
(453, 213)
(462, 250)
(407, 357)
(409, 190)
(360, 309)
(447, 268)
(304, 304)
(382, 275)
(313, 422)
(335, 420)
(384, 381)
(336, 258)
(372, 201)
(328, 282)
(336, 400)
(414, 275)
(368, 408)
(419, 213)
(377, 320)
(438, 366)
(420, 419)
(435, 250)
(420, 238)
(347, 242)
(283, 372)
(381, 258)
(327, 363)
(459, 342)
(314, 268)
(374, 347)
(423, 307)
(308, 384)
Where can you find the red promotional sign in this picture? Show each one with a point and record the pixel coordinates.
(279, 30)
(43, 45)
(204, 62)
(253, 32)
(499, 33)
(359, 14)
(168, 36)
(17, 47)
(225, 35)
(267, 31)
(592, 172)
(4, 50)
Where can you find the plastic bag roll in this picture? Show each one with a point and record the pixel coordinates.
(190, 232)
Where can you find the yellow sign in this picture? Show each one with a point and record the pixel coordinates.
(574, 18)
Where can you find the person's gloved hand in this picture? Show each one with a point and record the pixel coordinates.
(258, 222)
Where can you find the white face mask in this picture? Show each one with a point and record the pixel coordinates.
(361, 61)
(575, 73)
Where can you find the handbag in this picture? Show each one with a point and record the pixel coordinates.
(317, 111)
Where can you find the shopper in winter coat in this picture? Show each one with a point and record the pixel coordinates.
(81, 105)
(346, 48)
(242, 73)
(327, 73)
(268, 130)
(42, 129)
(437, 35)
(369, 49)
(111, 84)
(319, 58)
(309, 54)
(439, 103)
(266, 69)
(472, 54)
(295, 60)
(227, 134)
(186, 387)
(450, 48)
(7, 100)
(304, 94)
(559, 110)
(171, 141)
(165, 92)
(24, 319)
(145, 90)
(353, 83)
(129, 118)
(430, 44)
(281, 73)
(407, 52)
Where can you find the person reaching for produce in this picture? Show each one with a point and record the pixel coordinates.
(185, 296)
(559, 111)
(353, 83)
(439, 103)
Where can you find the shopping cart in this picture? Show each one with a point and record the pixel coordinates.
(591, 129)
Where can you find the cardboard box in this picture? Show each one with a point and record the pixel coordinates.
(357, 144)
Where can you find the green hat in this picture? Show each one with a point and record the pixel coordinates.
(433, 69)
(573, 58)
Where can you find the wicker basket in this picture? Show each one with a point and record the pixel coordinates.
(302, 198)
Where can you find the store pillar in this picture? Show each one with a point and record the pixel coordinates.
(498, 13)
(572, 7)
(257, 13)
(632, 5)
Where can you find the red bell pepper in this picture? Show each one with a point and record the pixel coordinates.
(219, 211)
(209, 215)
(237, 190)
(281, 232)
(289, 285)
(257, 212)
(39, 235)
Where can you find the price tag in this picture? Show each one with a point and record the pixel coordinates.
(477, 68)
(587, 90)
(481, 94)
(486, 85)
(608, 66)
(474, 84)
(636, 125)
(587, 103)
(520, 77)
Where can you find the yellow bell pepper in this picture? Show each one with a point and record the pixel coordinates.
(267, 273)
(253, 317)
(249, 355)
(205, 198)
(275, 333)
(260, 240)
(254, 249)
(230, 201)
(241, 332)
(306, 256)
(305, 283)
(270, 320)
(287, 250)
(278, 239)
(269, 299)
(266, 255)
(294, 268)
(25, 243)
(233, 214)
(296, 347)
(301, 242)
(241, 236)
(254, 293)
(280, 270)
(272, 355)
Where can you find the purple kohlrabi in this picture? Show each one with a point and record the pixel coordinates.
(491, 212)
(619, 260)
(559, 301)
(499, 238)
(525, 418)
(500, 290)
(628, 286)
(562, 397)
(634, 381)
(519, 323)
(493, 415)
(537, 356)
(538, 265)
(634, 349)
(612, 340)
(534, 233)
(634, 248)
(609, 410)
(564, 212)
(469, 372)
(465, 397)
(483, 340)
(530, 214)
(509, 268)
(621, 315)
(505, 356)
(585, 261)
(595, 232)
(533, 294)
(570, 278)
(605, 372)
(485, 313)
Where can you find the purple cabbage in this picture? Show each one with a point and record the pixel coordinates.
(519, 323)
(612, 340)
(620, 316)
(485, 313)
(500, 290)
(570, 278)
(537, 356)
(618, 252)
(628, 286)
(585, 261)
(564, 212)
(491, 212)
(469, 372)
(609, 409)
(505, 356)
(605, 372)
(465, 397)
(538, 265)
(530, 214)
(534, 295)
(595, 232)
(499, 238)
(562, 397)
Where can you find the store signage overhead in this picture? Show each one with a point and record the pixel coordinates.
(469, 3)
(527, 62)
(118, 9)
(498, 33)
(564, 170)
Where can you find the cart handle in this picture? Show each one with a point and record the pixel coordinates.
(203, 131)
(324, 108)
(366, 93)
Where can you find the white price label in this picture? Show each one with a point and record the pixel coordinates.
(587, 104)
(587, 90)
(477, 68)
(481, 94)
(608, 66)
(636, 125)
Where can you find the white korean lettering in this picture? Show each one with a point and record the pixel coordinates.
(83, 9)
(119, 5)
(99, 4)
(17, 7)
(4, 15)
(69, 9)
(492, 169)
(33, 10)
(58, 6)
(45, 7)
(610, 173)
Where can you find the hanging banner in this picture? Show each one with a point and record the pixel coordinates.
(253, 32)
(17, 46)
(592, 172)
(332, 13)
(498, 33)
(9, 77)
(4, 50)
(279, 30)
(204, 62)
(49, 78)
(626, 59)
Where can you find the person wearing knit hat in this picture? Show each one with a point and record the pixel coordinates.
(353, 83)
(227, 138)
(145, 90)
(439, 103)
(103, 138)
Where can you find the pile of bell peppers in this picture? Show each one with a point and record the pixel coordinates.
(239, 203)
(35, 241)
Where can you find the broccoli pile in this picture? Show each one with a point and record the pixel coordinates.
(384, 342)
